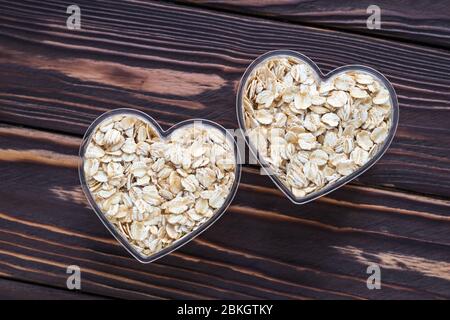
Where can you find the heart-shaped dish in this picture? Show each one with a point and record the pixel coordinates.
(156, 190)
(312, 133)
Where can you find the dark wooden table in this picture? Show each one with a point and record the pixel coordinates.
(181, 60)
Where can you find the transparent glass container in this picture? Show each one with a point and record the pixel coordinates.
(164, 134)
(322, 78)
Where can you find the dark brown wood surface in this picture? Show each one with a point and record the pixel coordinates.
(426, 22)
(178, 61)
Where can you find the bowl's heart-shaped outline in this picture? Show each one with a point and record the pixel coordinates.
(320, 77)
(164, 135)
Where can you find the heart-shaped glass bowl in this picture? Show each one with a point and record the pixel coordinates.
(319, 77)
(164, 135)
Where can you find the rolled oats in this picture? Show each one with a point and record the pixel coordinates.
(154, 191)
(313, 133)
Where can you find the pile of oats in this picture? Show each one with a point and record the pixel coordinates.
(311, 133)
(153, 190)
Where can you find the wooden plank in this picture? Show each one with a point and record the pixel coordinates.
(15, 290)
(412, 21)
(177, 63)
(263, 247)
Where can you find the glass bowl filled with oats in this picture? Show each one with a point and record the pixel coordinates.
(311, 132)
(156, 190)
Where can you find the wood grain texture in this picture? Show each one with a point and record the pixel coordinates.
(426, 22)
(142, 55)
(177, 62)
(263, 247)
(16, 290)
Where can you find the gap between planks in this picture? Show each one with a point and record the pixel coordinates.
(64, 292)
(73, 163)
(318, 26)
